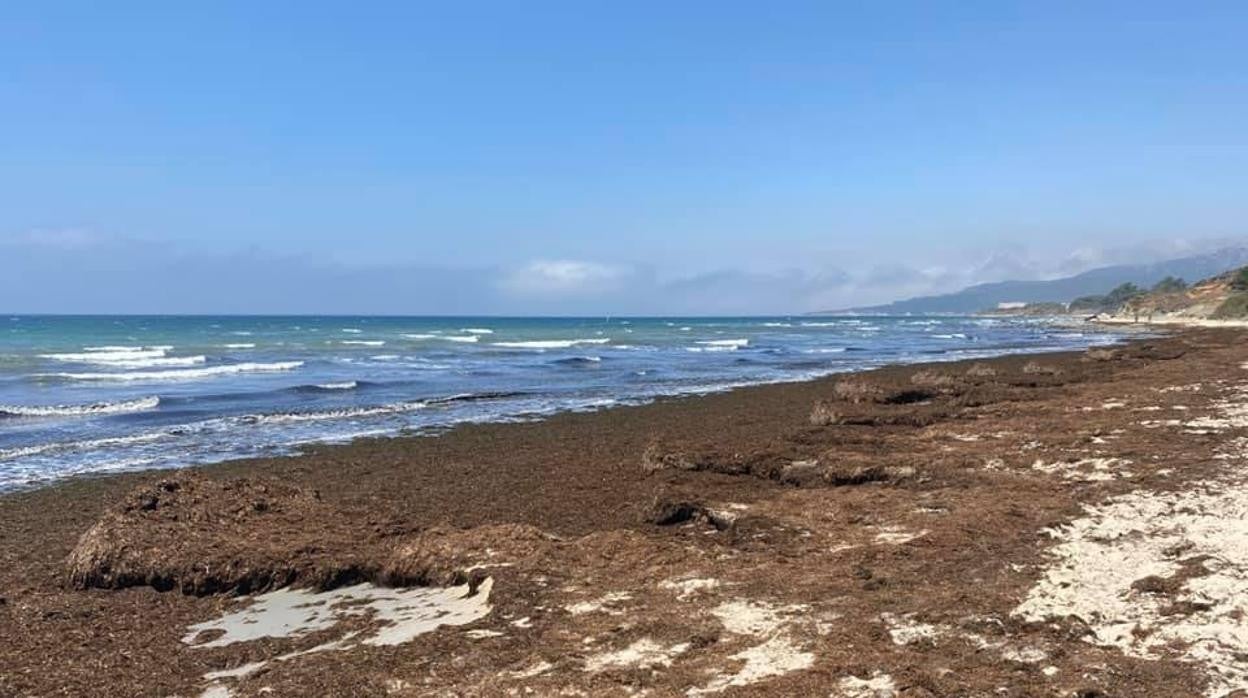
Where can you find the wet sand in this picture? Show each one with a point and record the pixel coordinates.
(1050, 525)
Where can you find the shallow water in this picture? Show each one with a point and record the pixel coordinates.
(104, 394)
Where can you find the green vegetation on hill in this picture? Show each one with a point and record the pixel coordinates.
(1239, 281)
(1233, 308)
(1112, 300)
(1170, 284)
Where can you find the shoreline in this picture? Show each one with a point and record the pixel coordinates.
(300, 450)
(697, 544)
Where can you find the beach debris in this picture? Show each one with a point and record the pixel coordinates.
(202, 536)
(1036, 368)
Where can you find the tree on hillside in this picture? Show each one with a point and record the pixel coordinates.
(1122, 294)
(1239, 282)
(1170, 284)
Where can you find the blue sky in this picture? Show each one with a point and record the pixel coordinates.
(589, 157)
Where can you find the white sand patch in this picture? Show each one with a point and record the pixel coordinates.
(1232, 414)
(906, 631)
(602, 604)
(293, 613)
(644, 654)
(897, 535)
(1113, 405)
(536, 670)
(776, 655)
(1146, 534)
(1026, 655)
(1158, 423)
(688, 588)
(297, 612)
(742, 617)
(237, 672)
(1086, 469)
(880, 685)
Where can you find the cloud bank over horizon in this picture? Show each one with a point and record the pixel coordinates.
(79, 271)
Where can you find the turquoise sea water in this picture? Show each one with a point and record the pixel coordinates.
(102, 394)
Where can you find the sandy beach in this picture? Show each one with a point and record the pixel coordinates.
(1049, 525)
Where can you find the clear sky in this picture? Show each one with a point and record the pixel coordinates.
(594, 157)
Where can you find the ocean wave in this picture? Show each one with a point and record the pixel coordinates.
(241, 345)
(699, 350)
(384, 357)
(85, 445)
(344, 385)
(470, 339)
(777, 324)
(829, 324)
(352, 330)
(156, 362)
(735, 343)
(88, 410)
(580, 361)
(369, 411)
(180, 375)
(954, 335)
(101, 355)
(477, 330)
(324, 415)
(364, 342)
(826, 350)
(550, 343)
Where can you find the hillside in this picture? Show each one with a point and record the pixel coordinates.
(1223, 297)
(1096, 281)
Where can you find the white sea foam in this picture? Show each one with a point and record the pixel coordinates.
(384, 357)
(86, 445)
(825, 350)
(352, 330)
(827, 324)
(101, 355)
(420, 336)
(551, 343)
(734, 343)
(156, 362)
(477, 330)
(180, 375)
(364, 342)
(92, 409)
(241, 345)
(470, 339)
(345, 385)
(349, 413)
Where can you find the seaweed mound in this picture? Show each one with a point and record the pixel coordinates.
(443, 556)
(202, 536)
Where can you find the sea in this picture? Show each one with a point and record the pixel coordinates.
(101, 394)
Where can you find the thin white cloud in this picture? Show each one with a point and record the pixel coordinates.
(55, 238)
(564, 276)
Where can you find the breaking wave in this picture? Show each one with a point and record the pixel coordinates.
(88, 410)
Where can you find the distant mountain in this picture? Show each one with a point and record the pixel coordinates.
(1093, 282)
